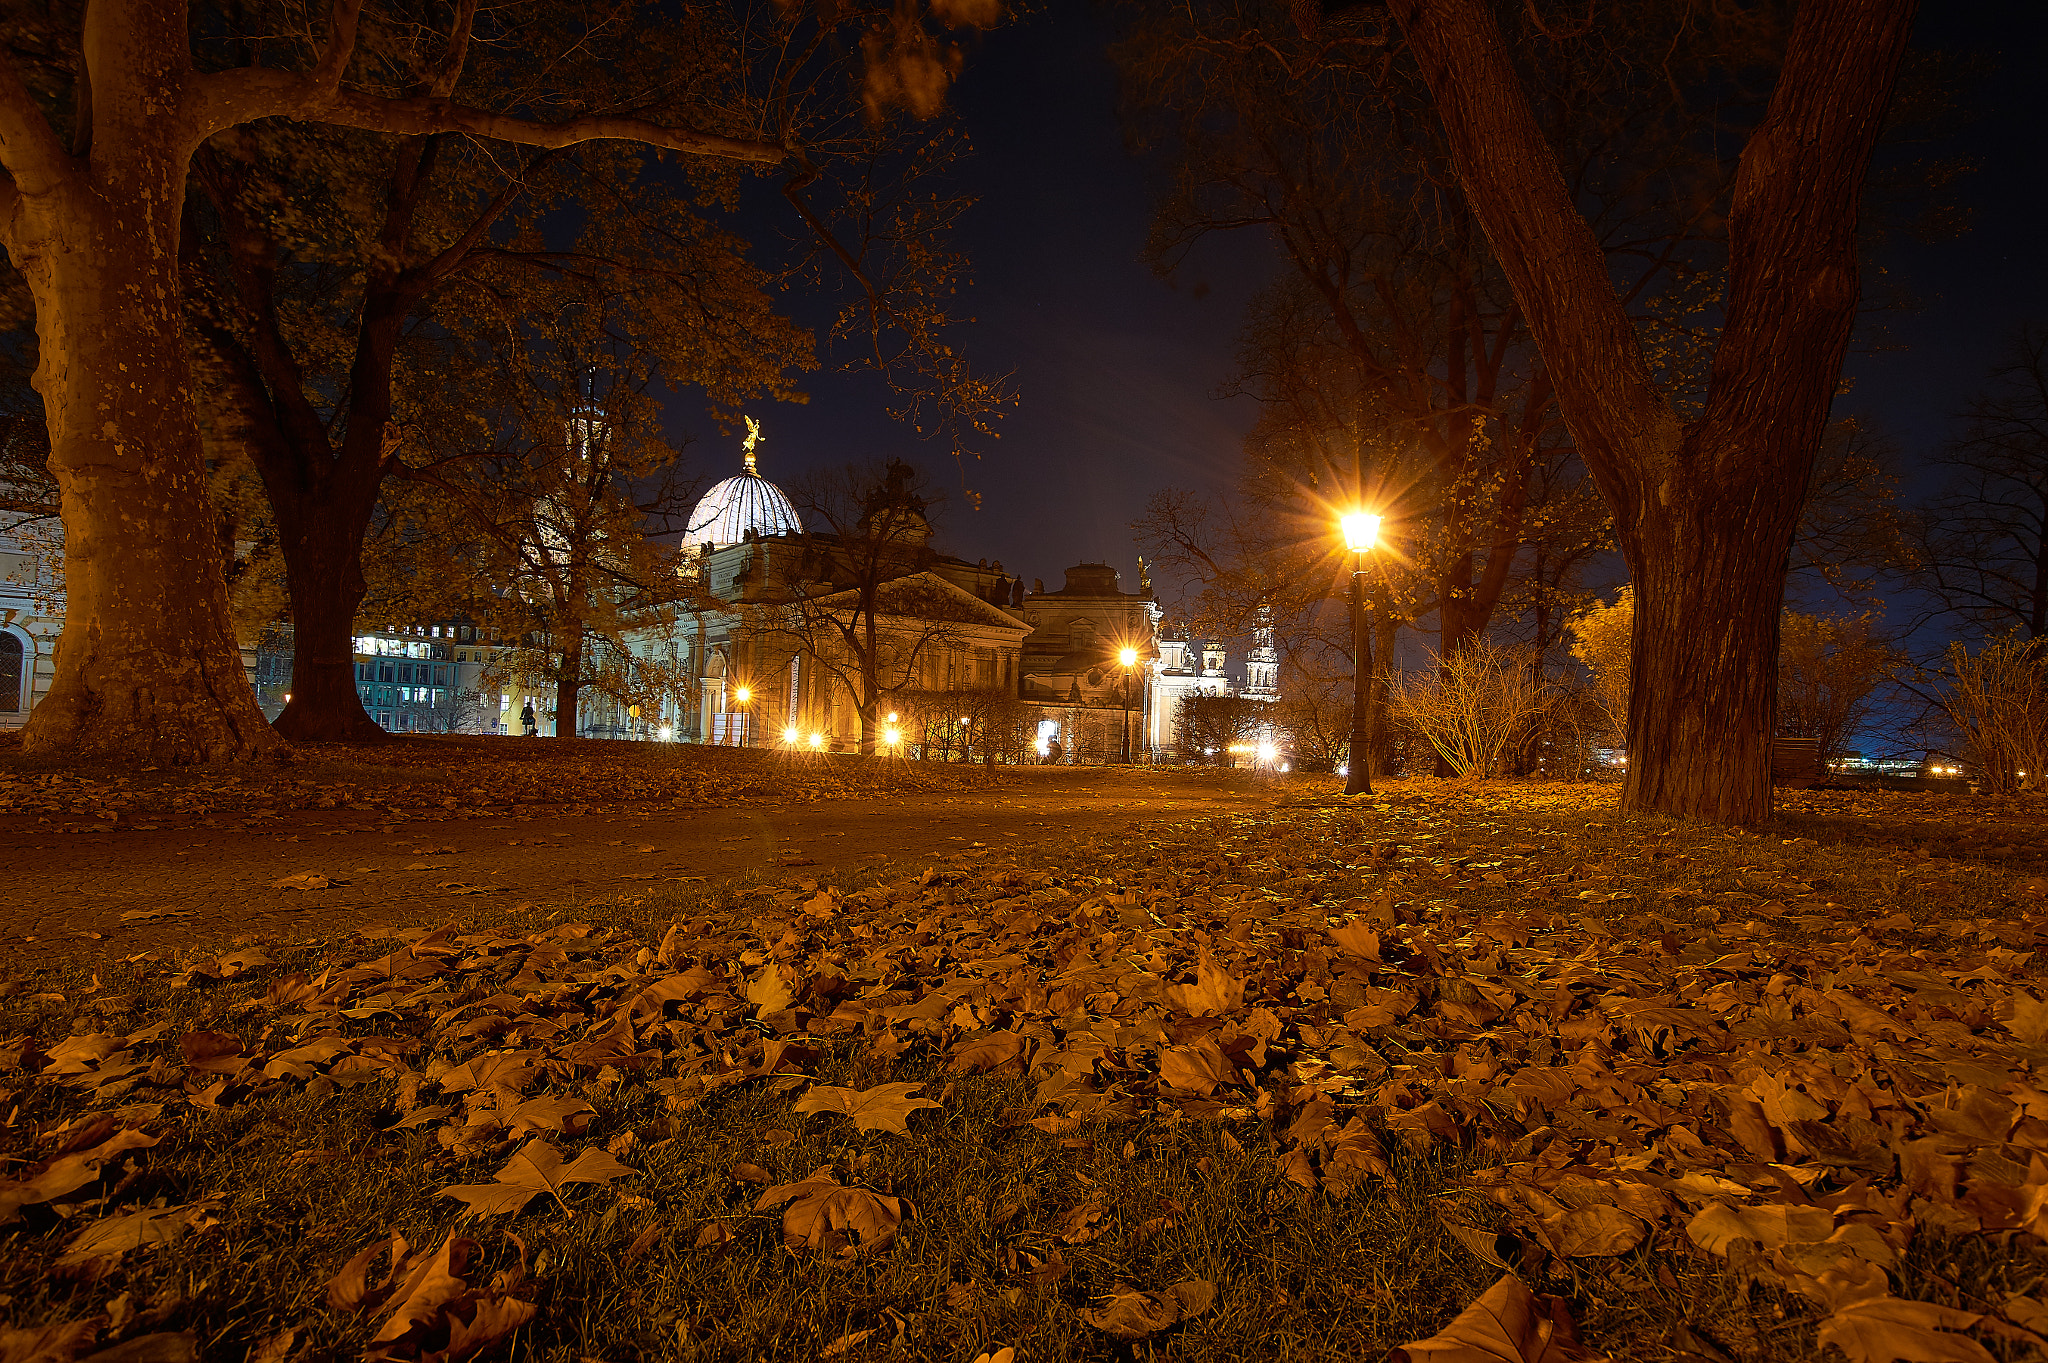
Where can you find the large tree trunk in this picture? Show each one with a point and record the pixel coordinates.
(323, 561)
(568, 686)
(1704, 510)
(148, 664)
(1709, 579)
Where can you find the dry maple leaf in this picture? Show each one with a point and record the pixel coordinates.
(113, 1236)
(570, 1116)
(769, 991)
(537, 1168)
(428, 1285)
(830, 1219)
(351, 1288)
(1214, 992)
(989, 1053)
(1198, 1067)
(1357, 939)
(1133, 1316)
(885, 1107)
(1886, 1329)
(1598, 1229)
(1507, 1324)
(68, 1173)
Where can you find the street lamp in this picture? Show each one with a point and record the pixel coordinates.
(1360, 530)
(1129, 658)
(741, 695)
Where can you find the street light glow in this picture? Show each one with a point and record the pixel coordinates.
(790, 734)
(891, 737)
(743, 695)
(1128, 657)
(817, 740)
(667, 732)
(1361, 529)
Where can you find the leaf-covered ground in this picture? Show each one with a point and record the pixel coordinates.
(1299, 1085)
(418, 774)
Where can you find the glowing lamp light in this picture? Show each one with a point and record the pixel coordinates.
(743, 695)
(1128, 657)
(817, 740)
(892, 737)
(965, 720)
(1360, 531)
(1267, 752)
(789, 735)
(667, 732)
(892, 716)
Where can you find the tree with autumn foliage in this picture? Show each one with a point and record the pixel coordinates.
(98, 128)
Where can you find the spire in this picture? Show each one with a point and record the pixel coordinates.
(753, 439)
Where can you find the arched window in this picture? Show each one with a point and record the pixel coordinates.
(13, 674)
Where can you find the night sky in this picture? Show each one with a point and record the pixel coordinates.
(1116, 369)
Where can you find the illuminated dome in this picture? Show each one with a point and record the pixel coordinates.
(741, 505)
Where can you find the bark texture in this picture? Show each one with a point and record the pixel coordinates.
(1704, 511)
(148, 662)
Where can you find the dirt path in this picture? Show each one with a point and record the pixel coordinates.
(134, 889)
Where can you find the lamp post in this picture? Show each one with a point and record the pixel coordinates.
(1360, 530)
(1129, 658)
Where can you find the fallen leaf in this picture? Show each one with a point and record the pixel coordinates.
(1885, 1329)
(1599, 1229)
(1133, 1316)
(885, 1107)
(769, 991)
(1507, 1324)
(835, 1220)
(537, 1168)
(1214, 992)
(113, 1236)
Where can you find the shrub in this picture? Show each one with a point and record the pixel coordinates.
(1998, 698)
(1477, 707)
